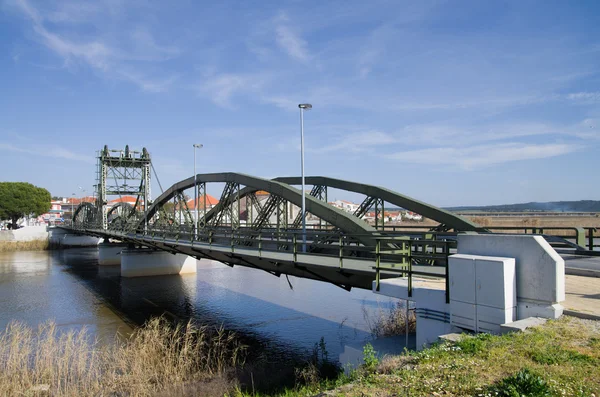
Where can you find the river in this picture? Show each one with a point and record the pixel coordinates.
(280, 321)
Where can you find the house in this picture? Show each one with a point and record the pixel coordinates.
(131, 200)
(345, 205)
(210, 201)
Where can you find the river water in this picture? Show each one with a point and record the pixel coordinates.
(279, 324)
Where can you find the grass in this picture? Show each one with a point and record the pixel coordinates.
(158, 359)
(560, 358)
(34, 245)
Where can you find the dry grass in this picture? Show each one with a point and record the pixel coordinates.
(34, 245)
(158, 359)
(391, 321)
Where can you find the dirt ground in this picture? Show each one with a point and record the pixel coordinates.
(524, 221)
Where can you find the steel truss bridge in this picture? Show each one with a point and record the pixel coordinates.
(257, 223)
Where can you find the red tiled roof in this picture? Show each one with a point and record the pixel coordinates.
(210, 201)
(77, 200)
(124, 199)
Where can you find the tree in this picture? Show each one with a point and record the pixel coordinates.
(19, 199)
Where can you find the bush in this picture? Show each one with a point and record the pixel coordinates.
(474, 344)
(390, 322)
(524, 383)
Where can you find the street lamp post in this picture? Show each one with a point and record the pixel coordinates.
(72, 209)
(196, 146)
(303, 107)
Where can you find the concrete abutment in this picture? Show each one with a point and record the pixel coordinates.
(494, 280)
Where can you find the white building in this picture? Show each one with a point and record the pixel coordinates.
(347, 206)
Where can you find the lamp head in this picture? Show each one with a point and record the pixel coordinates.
(198, 145)
(305, 106)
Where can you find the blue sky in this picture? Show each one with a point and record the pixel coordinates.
(451, 102)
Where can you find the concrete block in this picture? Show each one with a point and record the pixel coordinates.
(109, 254)
(535, 309)
(522, 325)
(452, 337)
(146, 262)
(490, 319)
(462, 277)
(428, 331)
(540, 271)
(463, 315)
(495, 282)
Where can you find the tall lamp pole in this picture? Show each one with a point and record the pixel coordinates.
(303, 107)
(72, 209)
(196, 146)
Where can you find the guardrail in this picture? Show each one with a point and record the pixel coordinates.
(387, 253)
(584, 237)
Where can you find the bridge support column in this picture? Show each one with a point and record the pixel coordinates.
(110, 254)
(147, 262)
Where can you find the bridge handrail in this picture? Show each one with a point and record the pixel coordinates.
(394, 254)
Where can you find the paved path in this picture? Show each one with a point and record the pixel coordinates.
(581, 265)
(582, 296)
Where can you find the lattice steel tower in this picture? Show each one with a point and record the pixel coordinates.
(123, 173)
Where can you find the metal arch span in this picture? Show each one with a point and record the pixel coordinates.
(447, 218)
(341, 219)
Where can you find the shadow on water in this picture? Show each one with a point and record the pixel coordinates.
(279, 338)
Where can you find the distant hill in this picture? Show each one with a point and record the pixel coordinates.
(554, 206)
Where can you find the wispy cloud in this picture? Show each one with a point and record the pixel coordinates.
(47, 151)
(585, 97)
(359, 142)
(221, 88)
(289, 41)
(483, 155)
(116, 61)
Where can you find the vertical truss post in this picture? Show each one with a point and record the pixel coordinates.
(201, 195)
(378, 205)
(102, 200)
(146, 187)
(235, 207)
(282, 223)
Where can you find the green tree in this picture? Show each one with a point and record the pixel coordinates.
(19, 199)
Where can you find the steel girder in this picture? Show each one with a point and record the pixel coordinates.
(85, 215)
(450, 220)
(317, 191)
(336, 217)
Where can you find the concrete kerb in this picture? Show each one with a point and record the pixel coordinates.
(574, 271)
(584, 316)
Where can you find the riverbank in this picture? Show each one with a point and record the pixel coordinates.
(560, 358)
(31, 238)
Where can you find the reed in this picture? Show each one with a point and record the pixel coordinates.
(158, 359)
(391, 321)
(33, 245)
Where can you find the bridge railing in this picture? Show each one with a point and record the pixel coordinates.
(421, 254)
(584, 237)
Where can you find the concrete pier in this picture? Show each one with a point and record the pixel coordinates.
(110, 254)
(148, 262)
(59, 237)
